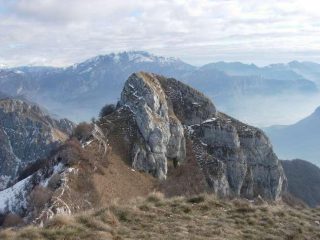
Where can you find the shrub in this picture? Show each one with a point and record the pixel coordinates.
(2, 218)
(155, 197)
(106, 110)
(60, 221)
(12, 220)
(54, 182)
(83, 131)
(40, 196)
(196, 199)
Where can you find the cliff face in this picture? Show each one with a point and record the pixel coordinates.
(162, 135)
(26, 135)
(236, 159)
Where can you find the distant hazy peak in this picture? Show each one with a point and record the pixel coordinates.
(238, 64)
(317, 112)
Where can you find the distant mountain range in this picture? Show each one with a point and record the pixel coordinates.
(291, 71)
(300, 140)
(79, 91)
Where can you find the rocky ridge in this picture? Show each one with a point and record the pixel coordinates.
(160, 127)
(236, 159)
(27, 134)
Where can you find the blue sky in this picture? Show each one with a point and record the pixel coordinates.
(60, 32)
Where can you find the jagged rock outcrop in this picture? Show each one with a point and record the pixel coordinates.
(162, 134)
(26, 134)
(151, 126)
(236, 159)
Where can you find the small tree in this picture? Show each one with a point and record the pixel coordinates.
(106, 110)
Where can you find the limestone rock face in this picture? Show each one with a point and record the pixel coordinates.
(243, 153)
(26, 135)
(236, 159)
(162, 135)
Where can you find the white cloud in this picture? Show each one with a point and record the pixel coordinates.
(60, 32)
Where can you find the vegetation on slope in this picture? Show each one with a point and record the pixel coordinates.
(198, 217)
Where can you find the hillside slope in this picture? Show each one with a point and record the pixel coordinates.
(27, 134)
(300, 140)
(197, 217)
(303, 181)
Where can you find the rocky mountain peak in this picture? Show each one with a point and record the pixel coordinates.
(235, 159)
(19, 106)
(142, 56)
(162, 133)
(130, 57)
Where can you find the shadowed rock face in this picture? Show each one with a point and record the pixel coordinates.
(26, 135)
(236, 159)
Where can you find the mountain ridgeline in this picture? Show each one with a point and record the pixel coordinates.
(27, 134)
(303, 181)
(235, 159)
(299, 140)
(79, 91)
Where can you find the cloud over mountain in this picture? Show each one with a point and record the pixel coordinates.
(55, 32)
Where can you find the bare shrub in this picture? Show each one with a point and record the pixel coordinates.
(2, 218)
(12, 220)
(54, 182)
(39, 196)
(83, 131)
(60, 221)
(71, 153)
(155, 197)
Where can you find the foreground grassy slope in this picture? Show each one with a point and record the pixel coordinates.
(200, 217)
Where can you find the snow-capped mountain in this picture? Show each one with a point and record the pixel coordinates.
(79, 91)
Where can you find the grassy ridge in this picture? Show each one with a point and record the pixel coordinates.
(199, 217)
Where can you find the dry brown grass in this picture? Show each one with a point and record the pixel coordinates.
(187, 179)
(197, 217)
